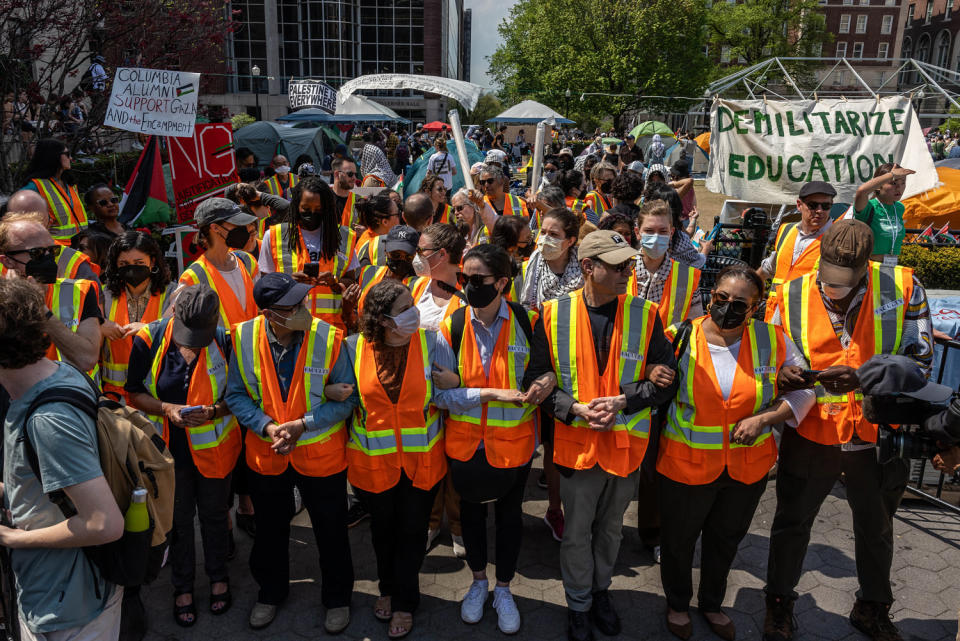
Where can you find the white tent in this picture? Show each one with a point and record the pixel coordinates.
(529, 112)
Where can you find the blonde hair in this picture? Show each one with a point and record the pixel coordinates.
(601, 166)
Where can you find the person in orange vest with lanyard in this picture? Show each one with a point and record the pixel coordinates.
(797, 248)
(400, 246)
(282, 181)
(491, 431)
(138, 291)
(493, 184)
(513, 235)
(601, 175)
(74, 314)
(45, 175)
(395, 457)
(344, 180)
(602, 344)
(839, 316)
(178, 378)
(378, 214)
(717, 444)
(433, 186)
(316, 250)
(296, 437)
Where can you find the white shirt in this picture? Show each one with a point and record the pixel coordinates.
(431, 314)
(310, 239)
(441, 164)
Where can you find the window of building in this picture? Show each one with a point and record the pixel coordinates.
(840, 78)
(857, 49)
(883, 50)
(845, 23)
(889, 3)
(929, 14)
(943, 49)
(817, 49)
(861, 24)
(910, 14)
(841, 49)
(865, 3)
(886, 26)
(847, 1)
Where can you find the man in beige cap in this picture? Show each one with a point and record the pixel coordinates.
(605, 348)
(839, 316)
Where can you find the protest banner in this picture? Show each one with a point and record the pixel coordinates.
(312, 93)
(152, 101)
(765, 150)
(201, 166)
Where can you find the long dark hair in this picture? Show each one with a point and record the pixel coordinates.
(375, 208)
(46, 159)
(506, 231)
(381, 298)
(159, 275)
(330, 225)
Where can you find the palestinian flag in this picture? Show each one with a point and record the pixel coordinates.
(145, 196)
(926, 233)
(944, 234)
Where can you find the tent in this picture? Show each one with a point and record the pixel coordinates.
(651, 127)
(355, 108)
(697, 158)
(530, 112)
(416, 172)
(644, 141)
(938, 206)
(703, 141)
(436, 125)
(267, 139)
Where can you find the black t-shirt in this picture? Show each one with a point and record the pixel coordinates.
(341, 202)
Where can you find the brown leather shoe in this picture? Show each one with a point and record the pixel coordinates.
(779, 624)
(684, 631)
(726, 631)
(873, 619)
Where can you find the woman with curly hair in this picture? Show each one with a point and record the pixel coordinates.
(136, 289)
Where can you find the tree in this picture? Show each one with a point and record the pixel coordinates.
(619, 47)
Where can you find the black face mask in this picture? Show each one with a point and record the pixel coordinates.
(133, 275)
(310, 220)
(526, 251)
(605, 188)
(514, 268)
(401, 268)
(729, 314)
(481, 296)
(43, 270)
(237, 237)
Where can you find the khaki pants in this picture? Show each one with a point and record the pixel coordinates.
(106, 627)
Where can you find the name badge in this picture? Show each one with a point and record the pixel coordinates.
(886, 307)
(216, 368)
(71, 322)
(518, 349)
(631, 356)
(765, 369)
(320, 371)
(890, 260)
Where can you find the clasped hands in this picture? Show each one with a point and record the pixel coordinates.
(285, 435)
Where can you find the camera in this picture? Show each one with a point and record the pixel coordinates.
(936, 426)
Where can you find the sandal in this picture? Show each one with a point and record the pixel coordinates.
(402, 621)
(180, 612)
(382, 609)
(220, 603)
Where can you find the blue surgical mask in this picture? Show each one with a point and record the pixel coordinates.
(654, 245)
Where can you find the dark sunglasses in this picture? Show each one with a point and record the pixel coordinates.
(630, 263)
(36, 253)
(103, 201)
(477, 280)
(488, 181)
(349, 174)
(461, 207)
(420, 250)
(737, 306)
(821, 206)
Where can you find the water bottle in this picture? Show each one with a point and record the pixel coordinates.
(137, 519)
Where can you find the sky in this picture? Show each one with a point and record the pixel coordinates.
(487, 14)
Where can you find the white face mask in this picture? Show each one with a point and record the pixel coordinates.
(300, 320)
(654, 245)
(550, 247)
(836, 293)
(283, 170)
(407, 321)
(421, 266)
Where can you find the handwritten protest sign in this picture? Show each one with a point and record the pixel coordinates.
(202, 166)
(152, 101)
(312, 93)
(764, 151)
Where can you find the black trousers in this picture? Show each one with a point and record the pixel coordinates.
(325, 498)
(508, 510)
(648, 497)
(197, 494)
(806, 474)
(399, 518)
(719, 513)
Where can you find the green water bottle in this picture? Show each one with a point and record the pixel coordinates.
(137, 519)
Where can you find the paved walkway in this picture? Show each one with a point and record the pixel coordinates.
(926, 584)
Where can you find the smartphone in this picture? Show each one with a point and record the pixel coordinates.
(312, 269)
(811, 374)
(191, 409)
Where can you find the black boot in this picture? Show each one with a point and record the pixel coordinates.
(578, 626)
(603, 614)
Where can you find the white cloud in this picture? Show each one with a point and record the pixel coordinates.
(487, 15)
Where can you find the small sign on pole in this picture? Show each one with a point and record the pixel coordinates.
(153, 101)
(312, 93)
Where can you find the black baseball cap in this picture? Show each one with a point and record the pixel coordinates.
(276, 289)
(892, 375)
(221, 210)
(196, 316)
(817, 187)
(402, 238)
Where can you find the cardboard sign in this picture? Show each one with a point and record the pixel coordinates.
(152, 101)
(202, 166)
(765, 150)
(312, 93)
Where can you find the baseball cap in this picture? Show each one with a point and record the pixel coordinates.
(477, 167)
(496, 155)
(844, 252)
(629, 137)
(221, 210)
(817, 187)
(276, 289)
(607, 245)
(196, 316)
(636, 166)
(891, 375)
(402, 238)
(565, 150)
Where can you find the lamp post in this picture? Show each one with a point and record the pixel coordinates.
(566, 104)
(255, 72)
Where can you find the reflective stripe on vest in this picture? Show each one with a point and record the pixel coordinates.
(322, 301)
(116, 353)
(677, 294)
(273, 185)
(599, 202)
(203, 273)
(371, 251)
(65, 298)
(514, 203)
(67, 215)
(348, 217)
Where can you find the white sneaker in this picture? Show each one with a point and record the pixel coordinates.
(471, 608)
(508, 616)
(458, 550)
(431, 537)
(656, 553)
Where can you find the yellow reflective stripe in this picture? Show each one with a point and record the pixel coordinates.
(221, 428)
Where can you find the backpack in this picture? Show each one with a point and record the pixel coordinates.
(132, 455)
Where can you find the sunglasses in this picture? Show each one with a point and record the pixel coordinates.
(104, 201)
(817, 205)
(461, 207)
(36, 253)
(477, 280)
(420, 250)
(628, 264)
(349, 174)
(737, 306)
(488, 181)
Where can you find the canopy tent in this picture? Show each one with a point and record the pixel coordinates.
(530, 112)
(650, 127)
(697, 158)
(436, 125)
(937, 206)
(703, 141)
(267, 139)
(354, 109)
(415, 173)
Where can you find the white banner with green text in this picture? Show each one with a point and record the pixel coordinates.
(765, 150)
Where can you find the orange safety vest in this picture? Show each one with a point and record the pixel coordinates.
(386, 437)
(115, 355)
(369, 252)
(202, 272)
(323, 302)
(808, 261)
(695, 444)
(67, 215)
(597, 202)
(678, 291)
(317, 453)
(512, 205)
(69, 262)
(572, 352)
(348, 217)
(508, 431)
(214, 446)
(418, 285)
(274, 187)
(445, 217)
(878, 330)
(370, 276)
(65, 299)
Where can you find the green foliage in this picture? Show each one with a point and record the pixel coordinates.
(488, 106)
(953, 124)
(936, 268)
(610, 46)
(241, 120)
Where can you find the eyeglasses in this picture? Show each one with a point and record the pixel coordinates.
(814, 206)
(477, 280)
(488, 181)
(626, 265)
(420, 250)
(349, 174)
(738, 306)
(103, 201)
(36, 253)
(461, 207)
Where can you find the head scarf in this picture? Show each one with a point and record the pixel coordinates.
(657, 146)
(374, 161)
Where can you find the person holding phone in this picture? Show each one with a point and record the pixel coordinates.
(178, 378)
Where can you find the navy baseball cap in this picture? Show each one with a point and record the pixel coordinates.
(276, 289)
(402, 238)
